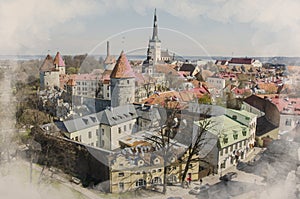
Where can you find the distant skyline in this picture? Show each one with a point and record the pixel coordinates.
(186, 27)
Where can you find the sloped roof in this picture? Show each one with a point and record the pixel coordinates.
(58, 60)
(187, 67)
(110, 59)
(122, 68)
(241, 61)
(47, 64)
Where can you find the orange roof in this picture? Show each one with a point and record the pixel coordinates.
(71, 82)
(178, 97)
(58, 60)
(122, 68)
(268, 87)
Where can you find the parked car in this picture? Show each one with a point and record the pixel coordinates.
(198, 190)
(228, 176)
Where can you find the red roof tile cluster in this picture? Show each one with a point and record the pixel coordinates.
(48, 64)
(241, 61)
(122, 68)
(58, 60)
(86, 77)
(285, 105)
(178, 97)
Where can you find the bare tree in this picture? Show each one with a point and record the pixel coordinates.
(197, 143)
(163, 141)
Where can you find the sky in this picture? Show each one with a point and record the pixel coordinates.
(186, 27)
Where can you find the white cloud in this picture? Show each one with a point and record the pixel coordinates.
(27, 23)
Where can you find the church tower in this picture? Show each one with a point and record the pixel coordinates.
(122, 80)
(155, 43)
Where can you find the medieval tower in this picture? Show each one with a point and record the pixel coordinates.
(122, 80)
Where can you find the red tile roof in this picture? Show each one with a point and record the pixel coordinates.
(87, 77)
(58, 60)
(48, 64)
(241, 61)
(122, 68)
(285, 105)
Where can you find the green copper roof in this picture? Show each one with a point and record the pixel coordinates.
(227, 129)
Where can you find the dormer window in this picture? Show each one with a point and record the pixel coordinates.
(244, 132)
(235, 136)
(225, 140)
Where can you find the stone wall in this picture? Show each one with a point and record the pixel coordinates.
(87, 163)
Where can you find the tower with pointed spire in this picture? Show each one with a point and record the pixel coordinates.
(154, 42)
(122, 80)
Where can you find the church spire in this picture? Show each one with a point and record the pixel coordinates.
(155, 31)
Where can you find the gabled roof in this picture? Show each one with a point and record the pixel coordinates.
(122, 68)
(47, 64)
(58, 60)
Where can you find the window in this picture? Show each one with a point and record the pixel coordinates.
(156, 180)
(102, 131)
(159, 170)
(121, 186)
(90, 134)
(130, 126)
(231, 148)
(240, 144)
(97, 132)
(234, 117)
(92, 144)
(121, 174)
(288, 122)
(235, 136)
(127, 81)
(76, 138)
(140, 183)
(221, 152)
(225, 140)
(102, 143)
(107, 88)
(244, 132)
(124, 127)
(226, 150)
(107, 94)
(119, 130)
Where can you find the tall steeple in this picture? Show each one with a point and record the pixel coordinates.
(155, 31)
(155, 43)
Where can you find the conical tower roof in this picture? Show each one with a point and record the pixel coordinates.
(122, 68)
(58, 60)
(47, 64)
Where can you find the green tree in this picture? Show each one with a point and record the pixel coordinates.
(205, 99)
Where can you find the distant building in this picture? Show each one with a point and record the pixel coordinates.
(245, 61)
